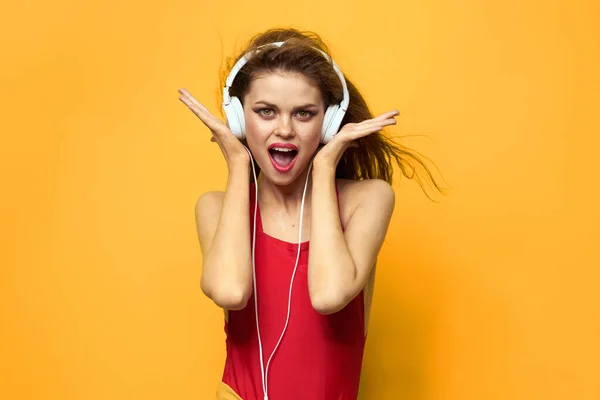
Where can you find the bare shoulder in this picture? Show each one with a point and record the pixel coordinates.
(210, 199)
(368, 187)
(208, 204)
(208, 210)
(375, 193)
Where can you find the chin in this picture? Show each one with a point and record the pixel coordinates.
(282, 178)
(279, 179)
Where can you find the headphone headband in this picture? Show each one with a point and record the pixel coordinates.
(234, 111)
(244, 59)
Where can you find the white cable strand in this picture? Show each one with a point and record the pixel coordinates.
(264, 372)
(293, 275)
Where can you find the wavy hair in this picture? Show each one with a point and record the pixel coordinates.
(376, 153)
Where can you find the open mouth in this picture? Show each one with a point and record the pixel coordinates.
(283, 157)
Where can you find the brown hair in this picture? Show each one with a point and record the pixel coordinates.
(373, 156)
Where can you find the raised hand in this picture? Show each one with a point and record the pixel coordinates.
(332, 152)
(233, 150)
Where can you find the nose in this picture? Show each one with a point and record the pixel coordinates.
(284, 127)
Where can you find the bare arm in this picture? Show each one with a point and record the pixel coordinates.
(223, 223)
(223, 219)
(340, 262)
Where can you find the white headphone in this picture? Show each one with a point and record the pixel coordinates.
(235, 112)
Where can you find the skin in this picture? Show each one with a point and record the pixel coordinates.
(341, 262)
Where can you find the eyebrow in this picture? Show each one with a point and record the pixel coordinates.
(266, 103)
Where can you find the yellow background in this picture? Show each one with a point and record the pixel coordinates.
(490, 294)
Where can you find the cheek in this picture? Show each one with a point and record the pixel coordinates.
(253, 125)
(257, 133)
(257, 130)
(310, 133)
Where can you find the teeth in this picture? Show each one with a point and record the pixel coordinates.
(281, 149)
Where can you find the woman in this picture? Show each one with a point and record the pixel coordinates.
(296, 320)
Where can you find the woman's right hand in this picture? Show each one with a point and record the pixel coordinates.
(233, 150)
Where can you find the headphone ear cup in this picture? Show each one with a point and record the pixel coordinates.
(235, 118)
(239, 111)
(328, 130)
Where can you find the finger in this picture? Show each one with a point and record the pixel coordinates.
(368, 124)
(359, 133)
(189, 99)
(375, 123)
(349, 134)
(200, 113)
(213, 123)
(384, 116)
(350, 138)
(389, 114)
(191, 102)
(384, 122)
(194, 105)
(389, 122)
(187, 94)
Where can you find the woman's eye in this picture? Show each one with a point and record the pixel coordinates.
(304, 114)
(267, 112)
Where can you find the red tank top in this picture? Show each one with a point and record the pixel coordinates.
(319, 357)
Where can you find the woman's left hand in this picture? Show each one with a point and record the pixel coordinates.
(332, 152)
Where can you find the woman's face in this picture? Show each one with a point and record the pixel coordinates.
(283, 114)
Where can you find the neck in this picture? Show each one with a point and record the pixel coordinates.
(287, 197)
